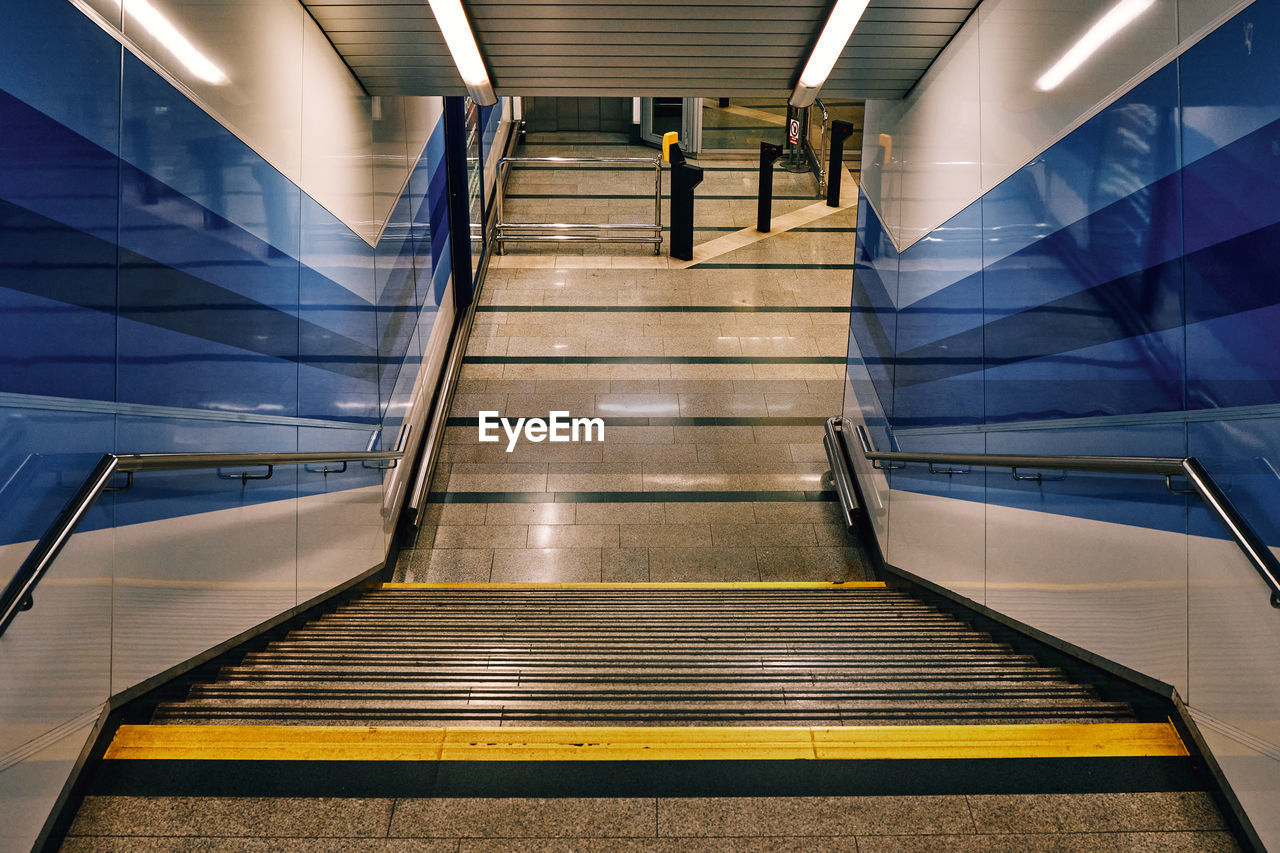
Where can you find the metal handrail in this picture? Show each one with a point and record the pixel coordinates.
(1189, 468)
(562, 232)
(17, 595)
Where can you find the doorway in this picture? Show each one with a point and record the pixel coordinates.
(663, 115)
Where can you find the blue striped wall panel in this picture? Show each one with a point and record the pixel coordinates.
(337, 342)
(1126, 271)
(58, 222)
(873, 319)
(148, 256)
(938, 377)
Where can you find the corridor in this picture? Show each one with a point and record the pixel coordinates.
(713, 380)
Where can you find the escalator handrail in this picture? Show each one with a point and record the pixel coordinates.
(17, 595)
(1202, 485)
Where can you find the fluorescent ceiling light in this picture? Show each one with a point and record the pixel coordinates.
(1120, 16)
(163, 31)
(452, 21)
(835, 35)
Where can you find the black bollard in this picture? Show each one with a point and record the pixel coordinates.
(684, 177)
(840, 131)
(769, 155)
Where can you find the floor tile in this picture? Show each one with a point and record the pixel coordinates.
(524, 818)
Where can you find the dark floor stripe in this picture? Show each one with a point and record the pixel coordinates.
(570, 167)
(649, 196)
(653, 359)
(681, 421)
(711, 266)
(671, 309)
(770, 127)
(741, 778)
(732, 228)
(743, 496)
(531, 143)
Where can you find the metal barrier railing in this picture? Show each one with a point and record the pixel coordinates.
(578, 232)
(818, 156)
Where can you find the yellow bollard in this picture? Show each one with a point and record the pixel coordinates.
(668, 139)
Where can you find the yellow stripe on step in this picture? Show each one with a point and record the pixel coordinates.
(647, 585)
(612, 743)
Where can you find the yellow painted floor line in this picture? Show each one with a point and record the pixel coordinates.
(607, 743)
(648, 585)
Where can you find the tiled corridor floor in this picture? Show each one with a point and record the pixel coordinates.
(1073, 823)
(713, 381)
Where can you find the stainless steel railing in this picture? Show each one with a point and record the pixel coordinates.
(18, 594)
(1189, 468)
(576, 232)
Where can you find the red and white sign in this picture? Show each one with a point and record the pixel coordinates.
(793, 131)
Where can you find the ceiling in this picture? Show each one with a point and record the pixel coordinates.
(606, 48)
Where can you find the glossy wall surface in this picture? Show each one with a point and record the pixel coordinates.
(260, 264)
(1113, 296)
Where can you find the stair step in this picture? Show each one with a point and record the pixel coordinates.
(644, 656)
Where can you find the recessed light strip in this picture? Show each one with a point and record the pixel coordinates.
(1121, 15)
(162, 30)
(452, 20)
(835, 35)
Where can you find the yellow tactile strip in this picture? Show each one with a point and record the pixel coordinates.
(686, 743)
(646, 585)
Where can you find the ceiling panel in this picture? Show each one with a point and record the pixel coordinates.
(713, 48)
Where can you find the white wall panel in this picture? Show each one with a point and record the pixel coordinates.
(880, 177)
(936, 142)
(110, 10)
(1022, 39)
(1197, 16)
(337, 145)
(1117, 590)
(1235, 636)
(257, 47)
(339, 536)
(57, 656)
(390, 155)
(942, 540)
(29, 788)
(185, 584)
(977, 115)
(1254, 776)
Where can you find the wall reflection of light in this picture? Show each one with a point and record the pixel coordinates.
(1120, 16)
(163, 31)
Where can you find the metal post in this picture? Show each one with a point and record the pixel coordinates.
(455, 160)
(684, 177)
(840, 131)
(500, 189)
(657, 203)
(769, 154)
(797, 134)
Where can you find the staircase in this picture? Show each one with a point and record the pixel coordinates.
(751, 655)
